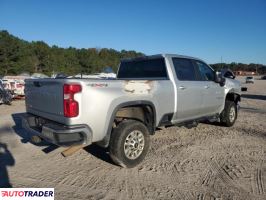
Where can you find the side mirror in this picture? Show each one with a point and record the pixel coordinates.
(219, 78)
(232, 77)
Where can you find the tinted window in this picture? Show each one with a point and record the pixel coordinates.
(205, 71)
(184, 69)
(150, 68)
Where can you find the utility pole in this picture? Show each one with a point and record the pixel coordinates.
(221, 62)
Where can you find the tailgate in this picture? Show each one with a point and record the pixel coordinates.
(44, 97)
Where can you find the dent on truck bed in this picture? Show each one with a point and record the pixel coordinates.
(139, 87)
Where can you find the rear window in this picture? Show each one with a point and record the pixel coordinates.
(141, 69)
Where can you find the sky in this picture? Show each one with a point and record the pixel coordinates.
(213, 30)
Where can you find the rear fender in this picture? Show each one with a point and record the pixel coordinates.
(105, 142)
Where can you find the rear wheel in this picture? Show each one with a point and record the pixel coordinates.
(129, 143)
(229, 114)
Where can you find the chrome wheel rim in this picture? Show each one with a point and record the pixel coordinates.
(232, 114)
(134, 144)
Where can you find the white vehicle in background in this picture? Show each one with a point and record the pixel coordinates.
(250, 79)
(5, 95)
(107, 73)
(38, 75)
(96, 76)
(15, 86)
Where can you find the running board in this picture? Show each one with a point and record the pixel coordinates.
(194, 123)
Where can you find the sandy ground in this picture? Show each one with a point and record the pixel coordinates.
(206, 162)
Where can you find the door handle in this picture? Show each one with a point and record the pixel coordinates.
(206, 86)
(182, 87)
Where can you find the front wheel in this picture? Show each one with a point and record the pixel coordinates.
(229, 114)
(129, 143)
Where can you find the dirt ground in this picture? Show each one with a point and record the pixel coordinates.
(206, 162)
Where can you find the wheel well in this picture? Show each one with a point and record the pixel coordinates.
(142, 113)
(233, 97)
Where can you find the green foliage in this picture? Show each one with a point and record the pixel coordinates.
(261, 69)
(17, 56)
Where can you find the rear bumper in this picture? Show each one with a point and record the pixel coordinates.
(56, 133)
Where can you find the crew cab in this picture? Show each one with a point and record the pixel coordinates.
(121, 114)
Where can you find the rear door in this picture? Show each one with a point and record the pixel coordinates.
(189, 90)
(213, 93)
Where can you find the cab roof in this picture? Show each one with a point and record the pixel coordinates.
(159, 56)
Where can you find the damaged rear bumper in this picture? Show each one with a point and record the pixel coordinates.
(56, 133)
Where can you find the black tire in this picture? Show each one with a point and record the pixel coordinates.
(226, 117)
(118, 139)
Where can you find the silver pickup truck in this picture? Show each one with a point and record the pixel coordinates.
(121, 114)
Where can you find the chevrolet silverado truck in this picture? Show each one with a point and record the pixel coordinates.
(121, 114)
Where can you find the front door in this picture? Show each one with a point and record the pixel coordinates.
(213, 95)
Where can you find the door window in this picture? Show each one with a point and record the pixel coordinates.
(184, 69)
(206, 73)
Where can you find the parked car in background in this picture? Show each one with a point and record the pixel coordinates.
(250, 79)
(95, 76)
(5, 95)
(15, 86)
(263, 77)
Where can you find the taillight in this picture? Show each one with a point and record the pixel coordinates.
(71, 107)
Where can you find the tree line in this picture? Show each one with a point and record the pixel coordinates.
(252, 67)
(18, 56)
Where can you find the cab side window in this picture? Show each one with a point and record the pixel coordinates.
(206, 73)
(185, 70)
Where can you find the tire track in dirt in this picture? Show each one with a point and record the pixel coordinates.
(132, 184)
(258, 181)
(223, 181)
(228, 181)
(206, 189)
(96, 178)
(174, 178)
(208, 178)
